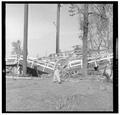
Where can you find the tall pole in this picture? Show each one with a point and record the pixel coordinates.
(25, 39)
(58, 29)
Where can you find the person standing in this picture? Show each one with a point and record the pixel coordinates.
(56, 76)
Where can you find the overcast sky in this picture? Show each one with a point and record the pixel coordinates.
(41, 30)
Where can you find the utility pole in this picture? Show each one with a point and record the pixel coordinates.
(58, 29)
(25, 52)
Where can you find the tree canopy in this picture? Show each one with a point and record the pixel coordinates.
(17, 50)
(95, 22)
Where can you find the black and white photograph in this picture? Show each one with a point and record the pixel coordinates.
(59, 57)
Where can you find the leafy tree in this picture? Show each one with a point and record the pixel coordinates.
(17, 50)
(77, 49)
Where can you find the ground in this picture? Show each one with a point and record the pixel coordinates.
(37, 94)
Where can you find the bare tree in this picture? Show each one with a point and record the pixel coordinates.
(82, 10)
(101, 22)
(93, 21)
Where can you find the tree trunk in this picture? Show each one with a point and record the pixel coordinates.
(85, 38)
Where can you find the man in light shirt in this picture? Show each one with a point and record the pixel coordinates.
(56, 76)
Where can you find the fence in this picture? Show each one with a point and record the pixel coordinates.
(48, 66)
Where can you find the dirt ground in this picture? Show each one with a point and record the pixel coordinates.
(44, 95)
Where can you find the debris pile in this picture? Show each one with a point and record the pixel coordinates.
(71, 67)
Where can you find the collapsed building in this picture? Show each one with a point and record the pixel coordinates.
(72, 63)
